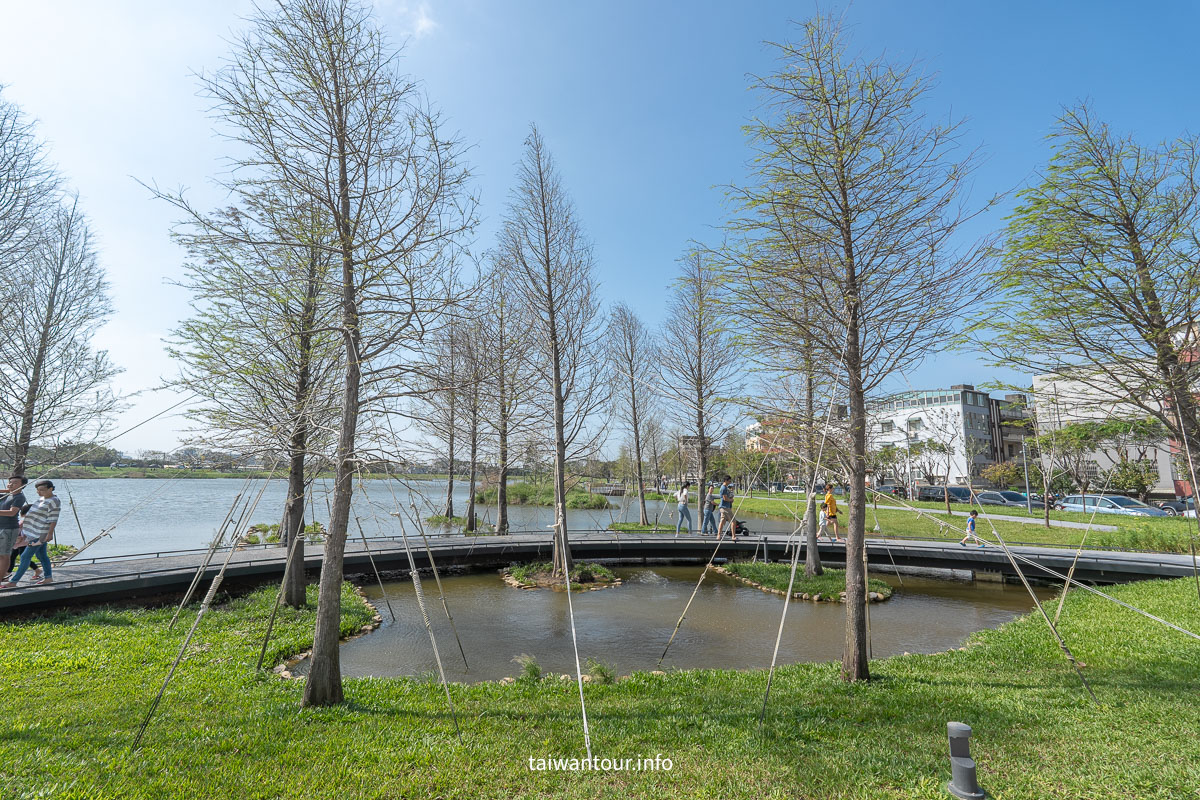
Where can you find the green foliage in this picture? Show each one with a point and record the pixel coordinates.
(542, 494)
(601, 672)
(637, 527)
(1006, 475)
(86, 677)
(581, 574)
(1132, 477)
(58, 552)
(531, 670)
(828, 585)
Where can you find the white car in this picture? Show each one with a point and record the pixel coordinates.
(793, 489)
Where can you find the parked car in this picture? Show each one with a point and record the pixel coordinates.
(1175, 508)
(1108, 504)
(793, 490)
(1004, 498)
(958, 494)
(894, 491)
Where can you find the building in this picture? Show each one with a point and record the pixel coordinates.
(974, 428)
(1060, 402)
(772, 436)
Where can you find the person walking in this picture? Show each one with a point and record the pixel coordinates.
(971, 530)
(681, 497)
(38, 530)
(831, 511)
(710, 508)
(10, 506)
(726, 510)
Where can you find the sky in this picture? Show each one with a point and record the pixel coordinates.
(642, 105)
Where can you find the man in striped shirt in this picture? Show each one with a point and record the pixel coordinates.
(38, 530)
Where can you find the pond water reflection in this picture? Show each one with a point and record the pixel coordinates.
(729, 625)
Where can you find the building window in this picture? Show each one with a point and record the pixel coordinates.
(914, 424)
(887, 427)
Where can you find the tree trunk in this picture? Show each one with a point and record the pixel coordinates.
(502, 478)
(643, 518)
(474, 450)
(448, 511)
(293, 528)
(563, 562)
(854, 657)
(324, 684)
(812, 557)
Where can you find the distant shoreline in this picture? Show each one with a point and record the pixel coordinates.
(163, 473)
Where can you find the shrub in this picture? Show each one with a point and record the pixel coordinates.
(601, 672)
(531, 670)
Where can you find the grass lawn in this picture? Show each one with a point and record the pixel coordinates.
(78, 684)
(1161, 534)
(542, 494)
(775, 576)
(637, 527)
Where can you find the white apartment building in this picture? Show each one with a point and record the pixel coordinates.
(1062, 402)
(976, 428)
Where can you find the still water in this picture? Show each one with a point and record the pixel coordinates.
(156, 514)
(729, 625)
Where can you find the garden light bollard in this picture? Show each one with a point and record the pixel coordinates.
(963, 783)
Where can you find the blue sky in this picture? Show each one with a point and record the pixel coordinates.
(642, 104)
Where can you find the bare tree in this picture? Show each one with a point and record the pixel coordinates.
(505, 343)
(652, 438)
(634, 364)
(261, 349)
(320, 112)
(28, 185)
(439, 417)
(552, 275)
(476, 371)
(701, 362)
(54, 386)
(862, 194)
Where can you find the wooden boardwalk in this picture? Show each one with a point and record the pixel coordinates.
(89, 580)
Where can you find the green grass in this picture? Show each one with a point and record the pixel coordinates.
(637, 527)
(582, 574)
(775, 576)
(542, 494)
(84, 680)
(1161, 534)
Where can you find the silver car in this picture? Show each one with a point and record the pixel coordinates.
(1108, 504)
(1005, 498)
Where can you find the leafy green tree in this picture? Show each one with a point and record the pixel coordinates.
(1100, 277)
(1006, 474)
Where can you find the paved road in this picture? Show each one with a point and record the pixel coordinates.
(91, 580)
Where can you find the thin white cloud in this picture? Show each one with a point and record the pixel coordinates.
(408, 20)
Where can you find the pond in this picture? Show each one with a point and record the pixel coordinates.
(158, 514)
(729, 625)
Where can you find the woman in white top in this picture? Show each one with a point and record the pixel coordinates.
(685, 513)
